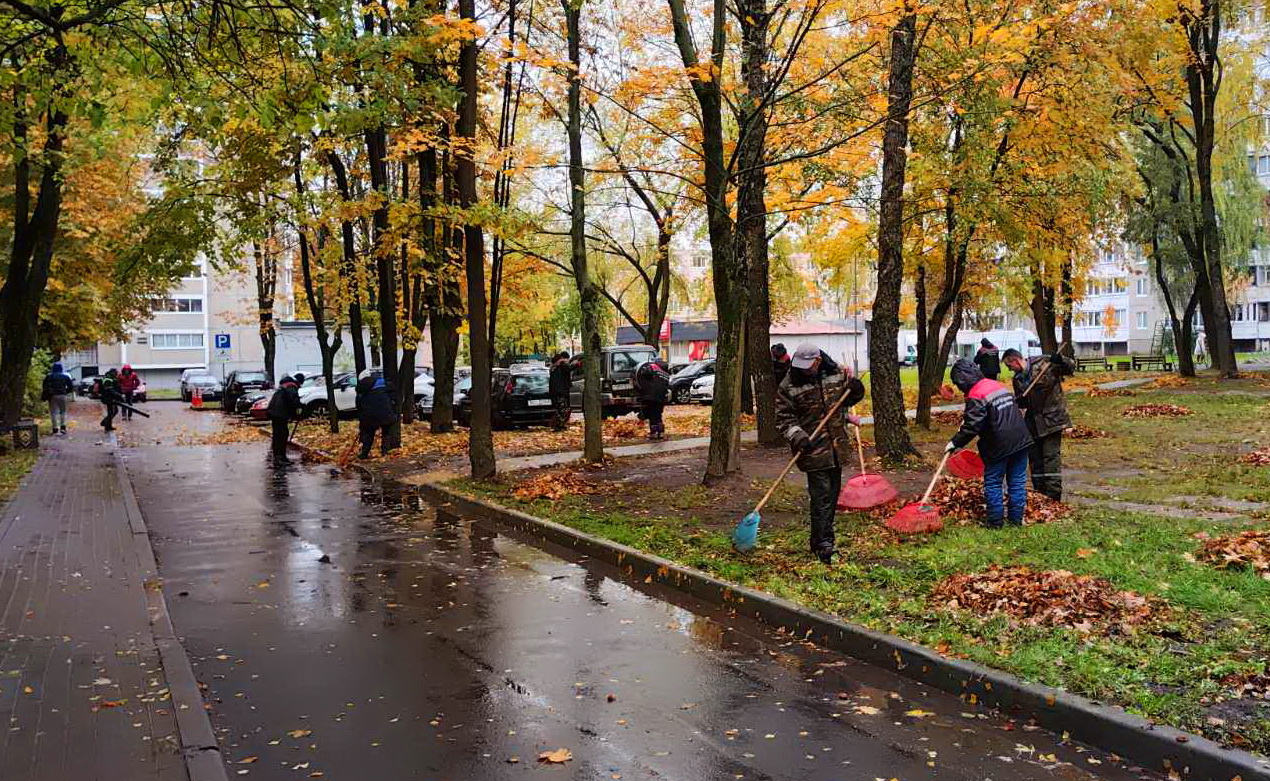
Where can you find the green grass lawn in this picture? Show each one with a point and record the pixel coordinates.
(163, 394)
(14, 465)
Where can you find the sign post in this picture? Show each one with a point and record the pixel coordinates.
(221, 343)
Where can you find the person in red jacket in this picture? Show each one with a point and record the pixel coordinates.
(129, 381)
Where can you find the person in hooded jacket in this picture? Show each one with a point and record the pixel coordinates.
(1045, 409)
(376, 411)
(988, 359)
(57, 388)
(652, 383)
(559, 384)
(284, 406)
(812, 386)
(110, 396)
(992, 415)
(129, 382)
(780, 362)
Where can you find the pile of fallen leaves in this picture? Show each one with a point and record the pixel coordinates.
(946, 418)
(1169, 381)
(1046, 598)
(962, 501)
(554, 485)
(231, 435)
(1157, 411)
(624, 428)
(1086, 432)
(1098, 393)
(1245, 550)
(1252, 685)
(1257, 457)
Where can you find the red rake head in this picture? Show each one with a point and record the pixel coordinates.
(965, 464)
(916, 518)
(866, 491)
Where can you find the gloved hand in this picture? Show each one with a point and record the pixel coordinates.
(854, 420)
(950, 447)
(1056, 357)
(811, 444)
(801, 442)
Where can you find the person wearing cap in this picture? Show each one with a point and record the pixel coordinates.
(811, 387)
(284, 406)
(1045, 409)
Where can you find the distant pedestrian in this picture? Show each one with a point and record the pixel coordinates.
(780, 362)
(993, 417)
(652, 388)
(284, 406)
(58, 387)
(812, 386)
(376, 411)
(1045, 409)
(559, 385)
(988, 359)
(129, 381)
(110, 396)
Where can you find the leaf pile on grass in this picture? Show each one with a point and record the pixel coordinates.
(1101, 393)
(1251, 685)
(1054, 598)
(554, 485)
(1086, 432)
(1245, 550)
(962, 501)
(946, 418)
(1169, 381)
(1257, 457)
(624, 428)
(1157, 411)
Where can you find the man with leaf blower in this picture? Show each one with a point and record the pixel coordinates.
(1038, 387)
(807, 394)
(993, 417)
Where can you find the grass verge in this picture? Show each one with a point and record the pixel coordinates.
(14, 464)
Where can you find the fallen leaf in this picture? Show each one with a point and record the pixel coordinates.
(248, 760)
(557, 757)
(300, 733)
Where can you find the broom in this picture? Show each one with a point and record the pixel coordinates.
(865, 491)
(745, 536)
(920, 516)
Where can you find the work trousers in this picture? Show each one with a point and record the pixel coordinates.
(366, 432)
(560, 403)
(127, 399)
(1012, 470)
(281, 435)
(823, 487)
(57, 412)
(1046, 457)
(653, 412)
(108, 422)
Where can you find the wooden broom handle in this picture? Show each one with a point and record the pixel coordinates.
(813, 436)
(942, 462)
(859, 447)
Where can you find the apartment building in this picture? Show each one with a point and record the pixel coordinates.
(1121, 311)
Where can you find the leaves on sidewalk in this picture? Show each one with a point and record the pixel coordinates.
(1245, 550)
(1157, 411)
(557, 757)
(1046, 598)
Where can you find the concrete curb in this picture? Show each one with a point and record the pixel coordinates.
(203, 760)
(1110, 728)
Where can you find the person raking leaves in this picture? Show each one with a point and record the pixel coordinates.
(559, 384)
(811, 387)
(284, 407)
(376, 411)
(1045, 410)
(652, 383)
(992, 415)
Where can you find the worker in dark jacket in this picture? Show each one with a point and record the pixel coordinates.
(1045, 409)
(559, 384)
(110, 396)
(803, 399)
(988, 359)
(993, 417)
(780, 362)
(284, 406)
(57, 389)
(652, 385)
(376, 411)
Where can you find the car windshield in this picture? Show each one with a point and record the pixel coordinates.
(531, 383)
(251, 377)
(203, 379)
(693, 369)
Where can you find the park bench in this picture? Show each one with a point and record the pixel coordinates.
(1098, 364)
(1149, 362)
(26, 434)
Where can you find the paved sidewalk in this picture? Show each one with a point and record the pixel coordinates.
(82, 689)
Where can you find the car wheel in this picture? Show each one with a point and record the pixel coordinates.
(316, 408)
(679, 396)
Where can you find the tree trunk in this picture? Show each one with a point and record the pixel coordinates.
(385, 265)
(316, 297)
(1181, 327)
(890, 426)
(266, 272)
(349, 268)
(481, 439)
(592, 414)
(1068, 306)
(1044, 314)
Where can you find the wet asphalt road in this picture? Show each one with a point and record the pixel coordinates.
(431, 648)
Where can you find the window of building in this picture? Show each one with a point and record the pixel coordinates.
(1237, 313)
(1143, 287)
(186, 341)
(1263, 165)
(1106, 286)
(176, 304)
(1142, 319)
(1088, 319)
(700, 259)
(1263, 312)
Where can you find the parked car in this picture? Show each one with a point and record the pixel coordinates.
(617, 378)
(239, 382)
(682, 380)
(259, 409)
(702, 391)
(209, 388)
(519, 397)
(187, 392)
(423, 403)
(242, 405)
(139, 395)
(88, 386)
(313, 398)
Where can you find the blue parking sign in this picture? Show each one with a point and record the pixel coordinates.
(221, 341)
